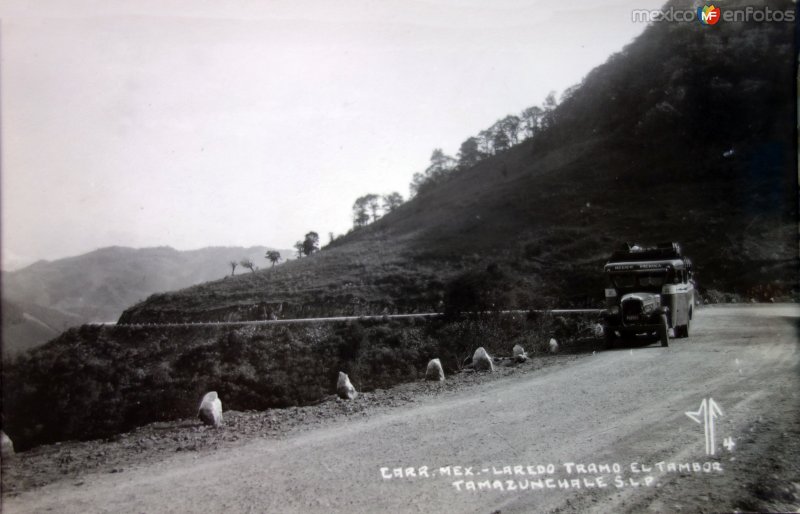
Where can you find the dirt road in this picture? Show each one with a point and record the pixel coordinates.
(620, 415)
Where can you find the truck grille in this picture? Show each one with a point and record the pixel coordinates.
(631, 311)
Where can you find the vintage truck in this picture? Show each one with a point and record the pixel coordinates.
(649, 290)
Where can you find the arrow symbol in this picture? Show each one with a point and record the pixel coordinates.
(705, 415)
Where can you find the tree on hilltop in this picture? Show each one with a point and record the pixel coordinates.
(500, 141)
(374, 206)
(442, 165)
(310, 243)
(531, 120)
(392, 201)
(247, 263)
(469, 154)
(273, 256)
(549, 106)
(233, 265)
(360, 214)
(485, 142)
(510, 126)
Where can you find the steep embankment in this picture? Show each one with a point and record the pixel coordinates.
(96, 381)
(686, 134)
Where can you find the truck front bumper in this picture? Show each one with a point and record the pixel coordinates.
(643, 323)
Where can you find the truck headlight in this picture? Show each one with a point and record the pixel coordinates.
(650, 307)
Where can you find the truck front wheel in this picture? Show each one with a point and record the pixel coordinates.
(610, 337)
(663, 331)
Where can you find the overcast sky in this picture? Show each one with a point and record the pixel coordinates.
(191, 124)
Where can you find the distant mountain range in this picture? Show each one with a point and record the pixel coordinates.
(43, 299)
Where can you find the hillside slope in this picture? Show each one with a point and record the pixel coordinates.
(685, 135)
(42, 300)
(27, 326)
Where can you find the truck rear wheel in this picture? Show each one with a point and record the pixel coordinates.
(682, 331)
(663, 331)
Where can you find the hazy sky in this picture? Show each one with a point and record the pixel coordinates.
(193, 123)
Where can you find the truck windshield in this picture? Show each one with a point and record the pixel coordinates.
(634, 280)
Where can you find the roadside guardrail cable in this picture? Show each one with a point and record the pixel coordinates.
(336, 319)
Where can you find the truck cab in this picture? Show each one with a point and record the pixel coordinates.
(649, 290)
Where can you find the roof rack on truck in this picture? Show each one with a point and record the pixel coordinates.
(635, 252)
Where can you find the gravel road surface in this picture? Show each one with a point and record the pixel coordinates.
(604, 432)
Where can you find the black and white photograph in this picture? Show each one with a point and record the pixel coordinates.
(456, 256)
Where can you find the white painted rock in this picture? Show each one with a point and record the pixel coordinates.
(344, 388)
(553, 346)
(481, 360)
(434, 371)
(519, 353)
(210, 411)
(6, 445)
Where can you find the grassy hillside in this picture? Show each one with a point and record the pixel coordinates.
(685, 135)
(98, 286)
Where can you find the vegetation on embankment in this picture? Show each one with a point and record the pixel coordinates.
(96, 381)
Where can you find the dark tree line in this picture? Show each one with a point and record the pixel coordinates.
(273, 256)
(501, 136)
(245, 263)
(370, 207)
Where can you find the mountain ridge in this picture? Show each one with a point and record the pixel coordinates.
(98, 285)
